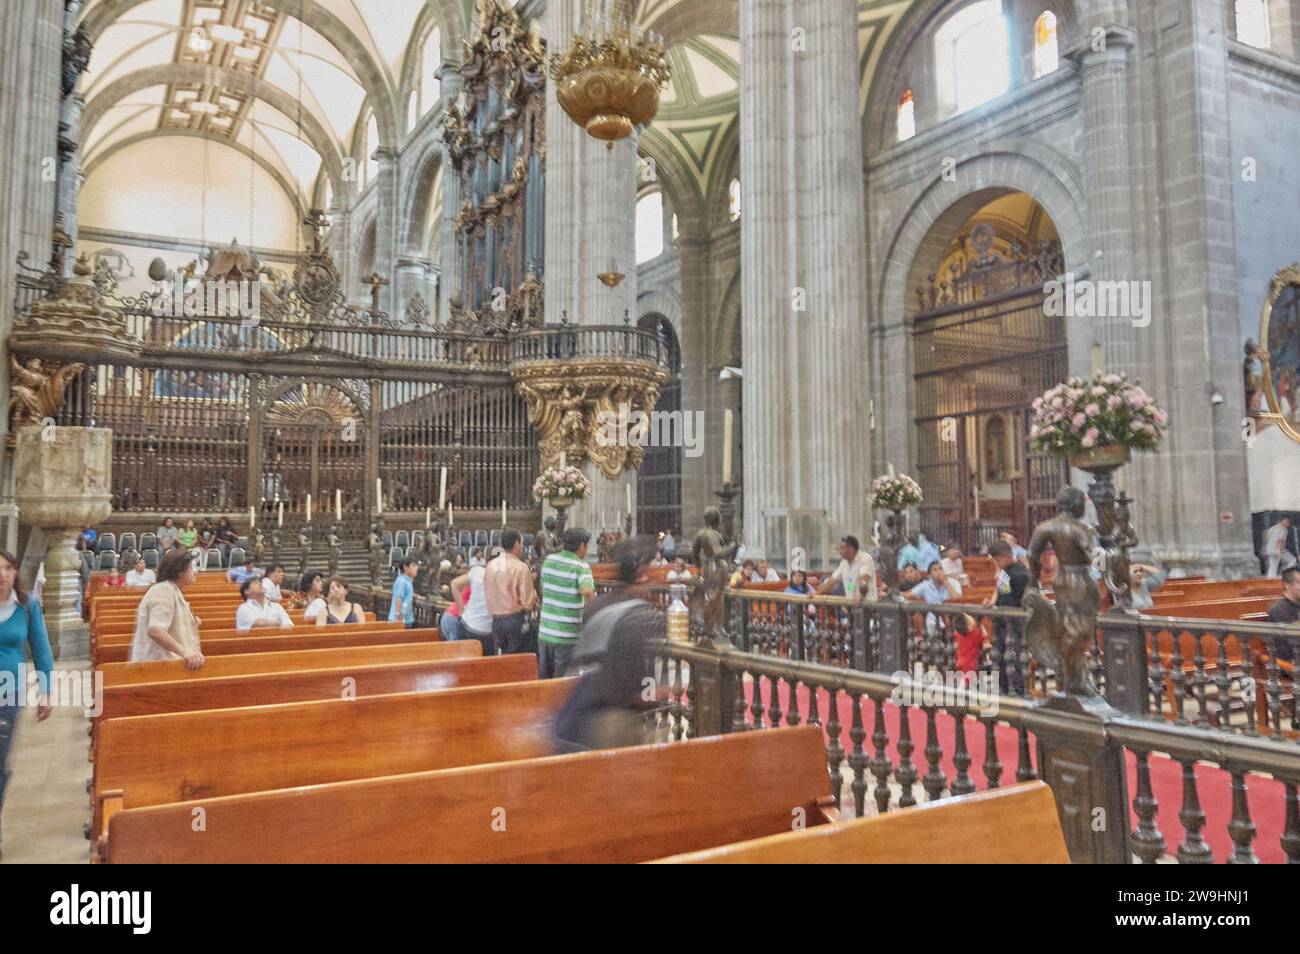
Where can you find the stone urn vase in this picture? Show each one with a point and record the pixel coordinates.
(62, 483)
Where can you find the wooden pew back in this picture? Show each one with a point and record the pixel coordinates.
(283, 640)
(1016, 825)
(622, 805)
(186, 756)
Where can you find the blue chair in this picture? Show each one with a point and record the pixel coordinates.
(403, 539)
(480, 538)
(466, 539)
(151, 559)
(106, 541)
(148, 541)
(494, 538)
(127, 542)
(388, 539)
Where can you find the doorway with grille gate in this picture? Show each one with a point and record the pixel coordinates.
(983, 350)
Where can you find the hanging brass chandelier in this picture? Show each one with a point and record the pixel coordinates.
(610, 78)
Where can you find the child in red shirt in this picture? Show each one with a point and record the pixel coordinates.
(969, 637)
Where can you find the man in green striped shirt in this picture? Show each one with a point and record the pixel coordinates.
(567, 586)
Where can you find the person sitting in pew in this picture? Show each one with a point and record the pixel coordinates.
(242, 574)
(608, 706)
(115, 577)
(140, 575)
(742, 576)
(312, 588)
(257, 611)
(165, 626)
(338, 608)
(271, 583)
(764, 574)
(1287, 610)
(1144, 580)
(954, 567)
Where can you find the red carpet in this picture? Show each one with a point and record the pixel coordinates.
(1214, 786)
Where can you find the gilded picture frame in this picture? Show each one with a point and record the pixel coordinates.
(1279, 352)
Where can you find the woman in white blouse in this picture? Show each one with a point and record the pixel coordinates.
(312, 587)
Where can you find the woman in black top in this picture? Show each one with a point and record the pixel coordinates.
(338, 604)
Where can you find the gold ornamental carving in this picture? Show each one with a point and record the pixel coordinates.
(574, 404)
(1279, 352)
(36, 390)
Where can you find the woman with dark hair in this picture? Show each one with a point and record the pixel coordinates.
(338, 608)
(165, 626)
(21, 625)
(312, 586)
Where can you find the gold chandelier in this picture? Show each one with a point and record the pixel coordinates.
(609, 80)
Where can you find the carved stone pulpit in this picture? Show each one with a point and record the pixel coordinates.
(62, 483)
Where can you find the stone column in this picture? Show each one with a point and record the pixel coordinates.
(385, 224)
(590, 215)
(803, 240)
(63, 482)
(449, 249)
(700, 391)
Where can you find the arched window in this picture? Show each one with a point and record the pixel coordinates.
(649, 226)
(1252, 23)
(1046, 53)
(906, 116)
(733, 199)
(973, 56)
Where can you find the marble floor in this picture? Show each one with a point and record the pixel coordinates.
(46, 804)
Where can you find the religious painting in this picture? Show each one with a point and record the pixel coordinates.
(1280, 334)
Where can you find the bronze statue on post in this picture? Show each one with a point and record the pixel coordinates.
(713, 554)
(375, 544)
(427, 580)
(336, 549)
(304, 548)
(1060, 635)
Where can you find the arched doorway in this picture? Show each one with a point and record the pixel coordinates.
(314, 442)
(659, 481)
(983, 349)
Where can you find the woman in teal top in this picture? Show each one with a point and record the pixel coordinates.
(21, 624)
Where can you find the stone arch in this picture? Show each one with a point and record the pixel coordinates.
(171, 73)
(664, 302)
(98, 16)
(417, 187)
(687, 18)
(1014, 166)
(295, 193)
(727, 329)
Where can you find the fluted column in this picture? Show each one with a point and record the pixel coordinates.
(803, 240)
(449, 249)
(31, 35)
(590, 215)
(385, 223)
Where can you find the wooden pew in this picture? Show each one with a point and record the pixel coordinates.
(1018, 825)
(224, 692)
(285, 640)
(246, 664)
(616, 806)
(187, 756)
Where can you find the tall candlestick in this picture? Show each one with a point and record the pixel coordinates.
(503, 514)
(252, 517)
(602, 520)
(564, 460)
(628, 488)
(379, 495)
(726, 446)
(442, 489)
(428, 517)
(309, 508)
(338, 503)
(279, 517)
(891, 469)
(451, 521)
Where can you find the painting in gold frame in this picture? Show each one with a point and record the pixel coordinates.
(1279, 335)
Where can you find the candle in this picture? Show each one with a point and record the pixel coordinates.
(338, 502)
(726, 447)
(309, 508)
(602, 520)
(379, 495)
(442, 489)
(450, 521)
(252, 517)
(503, 513)
(628, 488)
(891, 469)
(428, 517)
(564, 460)
(279, 518)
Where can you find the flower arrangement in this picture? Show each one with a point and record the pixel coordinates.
(894, 492)
(1080, 416)
(564, 483)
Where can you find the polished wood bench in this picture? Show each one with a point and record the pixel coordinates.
(245, 664)
(304, 685)
(187, 756)
(281, 640)
(1016, 825)
(622, 805)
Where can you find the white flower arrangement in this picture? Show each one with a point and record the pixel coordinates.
(894, 492)
(566, 483)
(1079, 416)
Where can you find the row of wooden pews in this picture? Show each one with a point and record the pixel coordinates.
(427, 751)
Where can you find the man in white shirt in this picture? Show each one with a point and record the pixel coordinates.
(764, 574)
(953, 567)
(475, 619)
(140, 575)
(257, 611)
(271, 583)
(856, 572)
(1275, 552)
